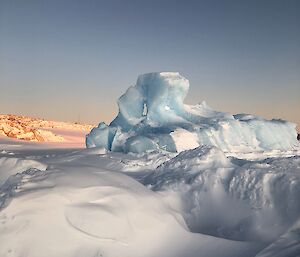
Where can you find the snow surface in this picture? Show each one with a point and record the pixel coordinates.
(201, 202)
(152, 116)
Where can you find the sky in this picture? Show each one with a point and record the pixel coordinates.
(71, 60)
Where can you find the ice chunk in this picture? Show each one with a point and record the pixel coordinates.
(152, 116)
(101, 136)
(140, 144)
(161, 95)
(184, 139)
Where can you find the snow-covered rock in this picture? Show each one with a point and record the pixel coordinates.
(152, 116)
(41, 130)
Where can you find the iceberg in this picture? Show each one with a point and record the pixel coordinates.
(153, 117)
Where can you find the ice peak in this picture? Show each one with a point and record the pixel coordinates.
(156, 92)
(166, 78)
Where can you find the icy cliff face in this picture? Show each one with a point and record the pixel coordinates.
(152, 116)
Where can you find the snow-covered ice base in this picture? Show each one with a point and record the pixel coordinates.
(152, 116)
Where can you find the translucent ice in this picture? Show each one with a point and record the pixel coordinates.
(152, 116)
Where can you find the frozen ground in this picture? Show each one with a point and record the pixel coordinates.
(86, 202)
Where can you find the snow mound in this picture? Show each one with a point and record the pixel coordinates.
(13, 165)
(196, 203)
(16, 184)
(231, 198)
(152, 116)
(205, 156)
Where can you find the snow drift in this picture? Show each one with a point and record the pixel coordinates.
(152, 116)
(79, 208)
(229, 197)
(200, 202)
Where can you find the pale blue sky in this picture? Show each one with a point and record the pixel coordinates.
(69, 59)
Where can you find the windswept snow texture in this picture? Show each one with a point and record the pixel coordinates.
(91, 203)
(152, 116)
(229, 197)
(198, 203)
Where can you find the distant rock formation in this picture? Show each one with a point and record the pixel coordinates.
(33, 129)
